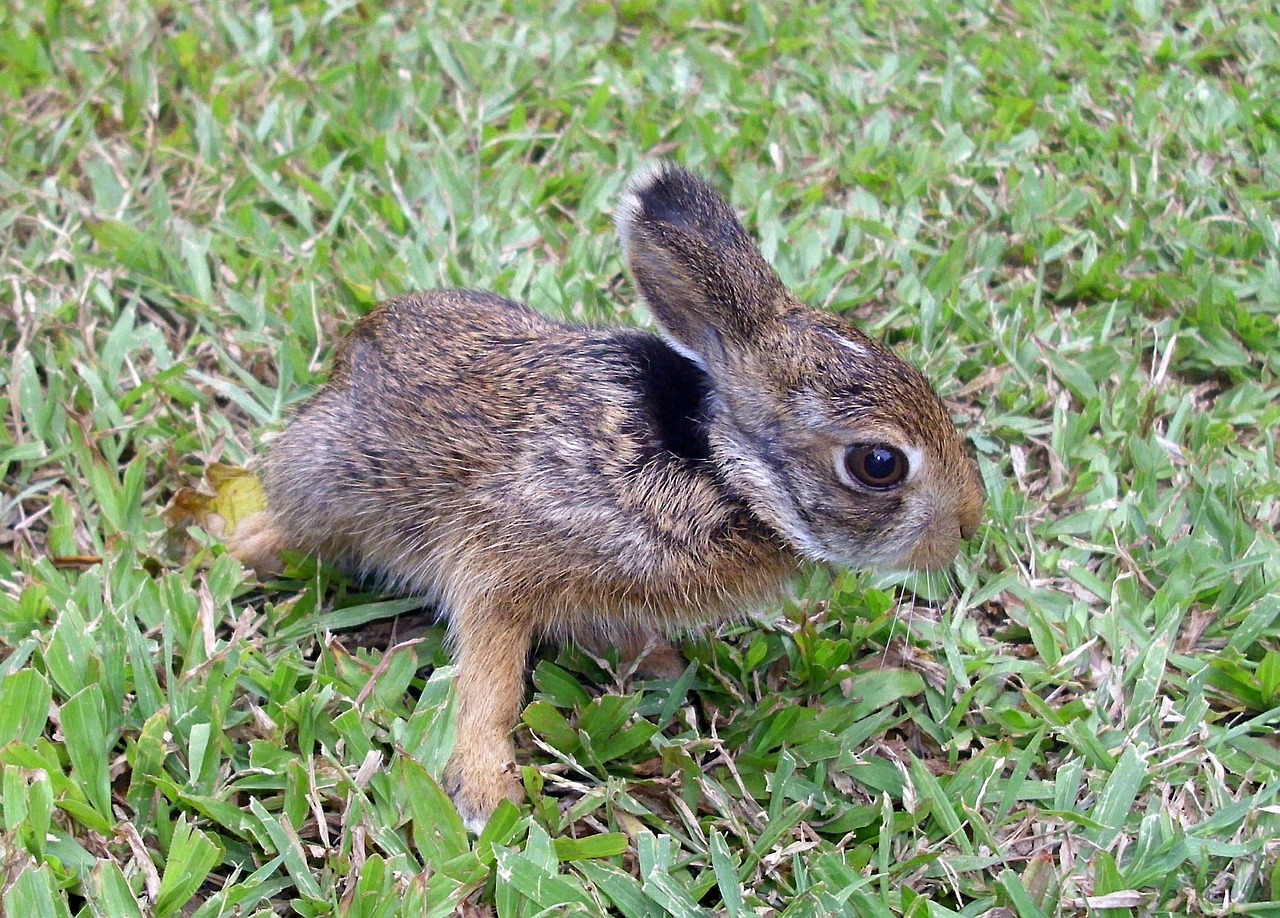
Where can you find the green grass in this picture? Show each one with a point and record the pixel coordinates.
(1066, 213)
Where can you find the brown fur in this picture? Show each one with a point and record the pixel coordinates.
(535, 478)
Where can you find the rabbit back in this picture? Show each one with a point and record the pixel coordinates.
(466, 444)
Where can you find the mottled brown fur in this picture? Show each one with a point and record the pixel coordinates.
(535, 478)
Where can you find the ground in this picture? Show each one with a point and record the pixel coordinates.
(1065, 213)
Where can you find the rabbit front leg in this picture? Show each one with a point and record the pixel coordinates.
(257, 543)
(492, 652)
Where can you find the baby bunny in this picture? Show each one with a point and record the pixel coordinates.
(533, 478)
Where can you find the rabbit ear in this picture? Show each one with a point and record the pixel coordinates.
(704, 280)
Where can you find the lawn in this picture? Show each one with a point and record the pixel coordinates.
(1065, 213)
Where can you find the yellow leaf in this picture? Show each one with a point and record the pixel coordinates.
(237, 494)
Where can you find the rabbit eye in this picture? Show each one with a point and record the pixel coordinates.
(876, 465)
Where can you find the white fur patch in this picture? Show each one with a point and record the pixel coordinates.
(629, 207)
(683, 350)
(854, 346)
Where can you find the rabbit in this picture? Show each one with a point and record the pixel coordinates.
(535, 479)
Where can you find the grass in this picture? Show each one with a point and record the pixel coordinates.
(1065, 213)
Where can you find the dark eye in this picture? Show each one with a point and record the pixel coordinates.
(876, 465)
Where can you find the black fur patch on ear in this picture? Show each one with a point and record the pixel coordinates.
(673, 195)
(676, 393)
(698, 269)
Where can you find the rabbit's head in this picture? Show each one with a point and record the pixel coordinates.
(840, 446)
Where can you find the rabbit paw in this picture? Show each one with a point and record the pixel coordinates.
(659, 659)
(647, 654)
(477, 784)
(256, 543)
